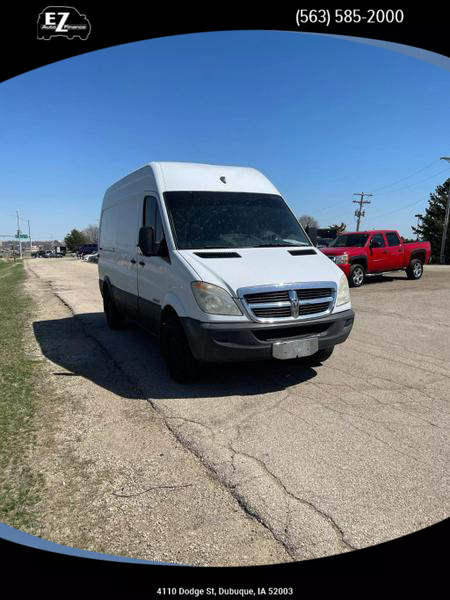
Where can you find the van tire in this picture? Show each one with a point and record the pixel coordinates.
(415, 269)
(357, 275)
(181, 363)
(114, 319)
(319, 357)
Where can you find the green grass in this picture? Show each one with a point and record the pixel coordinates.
(19, 484)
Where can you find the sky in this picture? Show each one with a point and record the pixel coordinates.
(322, 118)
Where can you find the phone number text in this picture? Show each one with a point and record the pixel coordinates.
(347, 15)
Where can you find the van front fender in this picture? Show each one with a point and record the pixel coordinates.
(171, 299)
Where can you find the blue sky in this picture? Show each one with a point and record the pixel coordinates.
(321, 117)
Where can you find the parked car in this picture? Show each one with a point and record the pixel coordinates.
(324, 242)
(92, 257)
(213, 261)
(86, 249)
(362, 253)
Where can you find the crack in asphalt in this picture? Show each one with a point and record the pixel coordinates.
(328, 518)
(282, 535)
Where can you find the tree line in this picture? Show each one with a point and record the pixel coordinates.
(76, 238)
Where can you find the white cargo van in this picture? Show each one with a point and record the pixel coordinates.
(213, 261)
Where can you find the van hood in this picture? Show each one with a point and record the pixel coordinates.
(260, 266)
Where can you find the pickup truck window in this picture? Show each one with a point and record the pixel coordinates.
(392, 239)
(377, 241)
(232, 220)
(350, 240)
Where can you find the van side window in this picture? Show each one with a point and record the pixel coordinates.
(152, 218)
(392, 239)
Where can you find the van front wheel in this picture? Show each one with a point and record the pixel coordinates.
(181, 364)
(114, 319)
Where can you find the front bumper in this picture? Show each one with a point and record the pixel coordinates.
(345, 267)
(234, 342)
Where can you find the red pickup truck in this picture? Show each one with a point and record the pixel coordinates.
(364, 252)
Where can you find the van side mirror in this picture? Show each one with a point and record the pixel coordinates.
(146, 240)
(163, 250)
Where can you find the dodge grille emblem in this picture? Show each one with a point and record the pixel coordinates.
(295, 304)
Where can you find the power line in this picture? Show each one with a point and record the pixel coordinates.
(330, 206)
(409, 204)
(407, 177)
(398, 209)
(413, 184)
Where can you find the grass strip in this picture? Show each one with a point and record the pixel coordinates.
(19, 484)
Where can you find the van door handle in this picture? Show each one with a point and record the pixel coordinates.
(133, 261)
(141, 262)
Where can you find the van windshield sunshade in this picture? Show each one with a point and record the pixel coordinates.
(203, 220)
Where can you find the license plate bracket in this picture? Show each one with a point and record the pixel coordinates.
(295, 348)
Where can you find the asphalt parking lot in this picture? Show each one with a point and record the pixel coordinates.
(328, 459)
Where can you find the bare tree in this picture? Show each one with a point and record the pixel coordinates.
(307, 221)
(339, 228)
(91, 233)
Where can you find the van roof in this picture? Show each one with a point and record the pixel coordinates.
(185, 176)
(203, 177)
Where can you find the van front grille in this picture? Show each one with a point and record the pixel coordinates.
(283, 296)
(288, 302)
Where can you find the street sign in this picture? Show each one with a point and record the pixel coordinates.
(22, 236)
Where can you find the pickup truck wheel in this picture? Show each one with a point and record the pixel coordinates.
(113, 317)
(356, 276)
(181, 364)
(415, 269)
(319, 357)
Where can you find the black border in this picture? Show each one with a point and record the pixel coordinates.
(425, 27)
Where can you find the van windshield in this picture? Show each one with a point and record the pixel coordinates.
(232, 220)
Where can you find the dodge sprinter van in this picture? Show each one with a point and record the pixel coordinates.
(213, 261)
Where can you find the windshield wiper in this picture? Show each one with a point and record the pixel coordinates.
(272, 246)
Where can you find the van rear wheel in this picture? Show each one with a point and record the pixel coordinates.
(113, 317)
(181, 363)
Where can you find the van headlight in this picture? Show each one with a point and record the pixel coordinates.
(343, 295)
(213, 299)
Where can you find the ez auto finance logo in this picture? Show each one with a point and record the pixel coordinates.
(63, 21)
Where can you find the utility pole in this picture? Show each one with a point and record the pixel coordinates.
(359, 212)
(418, 217)
(447, 211)
(29, 234)
(18, 233)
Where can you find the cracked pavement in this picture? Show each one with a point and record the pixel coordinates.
(328, 459)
